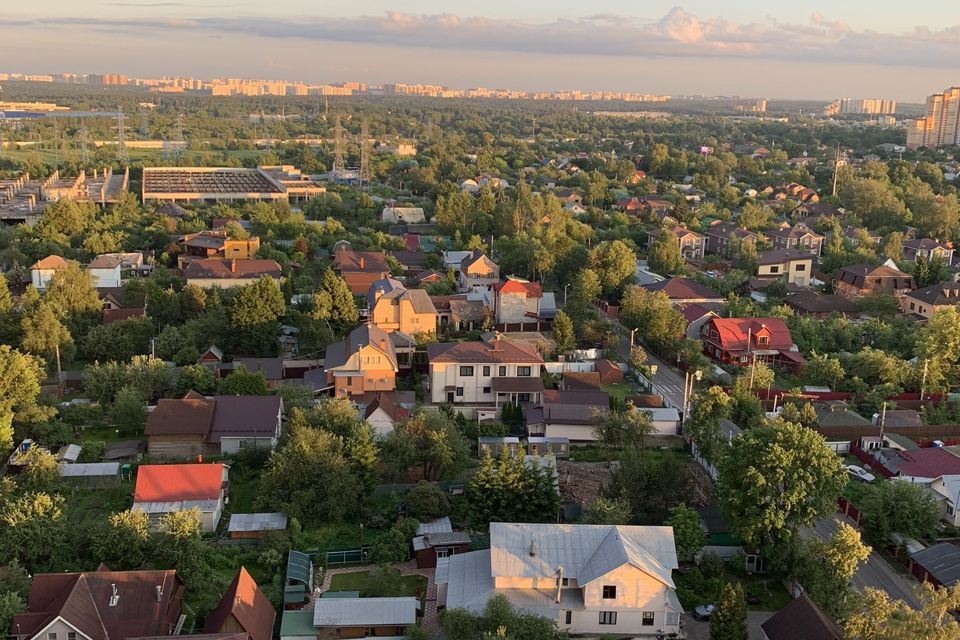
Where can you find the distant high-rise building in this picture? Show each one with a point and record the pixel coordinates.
(941, 124)
(868, 106)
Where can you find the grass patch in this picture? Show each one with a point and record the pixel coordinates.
(362, 581)
(619, 391)
(656, 448)
(695, 589)
(243, 489)
(335, 536)
(86, 507)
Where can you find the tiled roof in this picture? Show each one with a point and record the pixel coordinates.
(118, 315)
(925, 463)
(779, 256)
(50, 262)
(515, 285)
(245, 602)
(496, 351)
(366, 261)
(683, 289)
(736, 332)
(237, 416)
(944, 293)
(801, 620)
(178, 482)
(191, 414)
(231, 269)
(813, 302)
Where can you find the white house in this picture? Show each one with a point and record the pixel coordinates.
(165, 488)
(41, 271)
(402, 214)
(105, 271)
(589, 579)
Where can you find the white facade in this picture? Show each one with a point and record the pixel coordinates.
(381, 422)
(40, 278)
(229, 444)
(105, 278)
(472, 382)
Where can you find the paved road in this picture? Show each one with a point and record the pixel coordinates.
(695, 630)
(875, 572)
(667, 381)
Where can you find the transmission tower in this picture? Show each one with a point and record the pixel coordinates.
(122, 157)
(56, 140)
(364, 174)
(84, 151)
(338, 165)
(144, 122)
(178, 141)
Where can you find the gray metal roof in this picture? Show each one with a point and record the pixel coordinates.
(469, 583)
(942, 561)
(548, 440)
(168, 506)
(440, 539)
(586, 552)
(299, 567)
(257, 522)
(364, 612)
(90, 469)
(340, 594)
(69, 453)
(440, 525)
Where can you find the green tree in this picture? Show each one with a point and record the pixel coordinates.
(241, 383)
(754, 217)
(196, 377)
(665, 257)
(615, 263)
(333, 302)
(129, 411)
(21, 375)
(729, 620)
(654, 317)
(901, 507)
(123, 542)
(72, 296)
(604, 510)
(824, 369)
(43, 333)
(586, 288)
(363, 455)
(703, 425)
(563, 332)
(511, 489)
(776, 479)
(627, 429)
(826, 568)
(688, 531)
(254, 317)
(180, 544)
(394, 546)
(426, 501)
(437, 445)
(11, 604)
(877, 617)
(32, 529)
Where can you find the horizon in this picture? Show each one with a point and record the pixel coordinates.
(775, 50)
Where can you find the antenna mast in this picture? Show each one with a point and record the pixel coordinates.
(178, 142)
(144, 122)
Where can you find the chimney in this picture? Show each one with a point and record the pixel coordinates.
(114, 596)
(362, 262)
(159, 591)
(383, 344)
(233, 265)
(533, 552)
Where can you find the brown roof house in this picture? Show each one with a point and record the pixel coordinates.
(801, 620)
(819, 305)
(216, 244)
(477, 270)
(194, 425)
(214, 272)
(100, 605)
(242, 609)
(925, 302)
(928, 249)
(799, 237)
(723, 238)
(41, 271)
(366, 361)
(569, 414)
(861, 280)
(517, 301)
(393, 307)
(360, 269)
(682, 291)
(384, 412)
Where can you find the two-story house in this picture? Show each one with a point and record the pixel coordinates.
(692, 245)
(484, 373)
(360, 269)
(104, 270)
(589, 579)
(927, 301)
(684, 291)
(516, 301)
(725, 237)
(798, 237)
(365, 362)
(477, 270)
(214, 272)
(42, 271)
(792, 266)
(393, 307)
(742, 341)
(928, 249)
(216, 244)
(860, 280)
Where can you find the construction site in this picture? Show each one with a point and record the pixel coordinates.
(23, 200)
(210, 185)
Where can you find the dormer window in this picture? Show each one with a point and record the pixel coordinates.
(762, 340)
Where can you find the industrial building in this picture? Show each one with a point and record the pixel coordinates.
(211, 185)
(23, 199)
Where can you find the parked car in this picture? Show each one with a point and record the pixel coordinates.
(704, 612)
(859, 473)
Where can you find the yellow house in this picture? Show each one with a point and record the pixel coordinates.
(589, 579)
(925, 302)
(366, 361)
(393, 307)
(790, 265)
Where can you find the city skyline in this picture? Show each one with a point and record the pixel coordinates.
(777, 50)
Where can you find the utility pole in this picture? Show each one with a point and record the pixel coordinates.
(178, 142)
(144, 122)
(923, 381)
(836, 169)
(59, 372)
(883, 420)
(122, 157)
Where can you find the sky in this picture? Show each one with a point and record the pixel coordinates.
(757, 48)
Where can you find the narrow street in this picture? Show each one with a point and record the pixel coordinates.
(875, 572)
(668, 383)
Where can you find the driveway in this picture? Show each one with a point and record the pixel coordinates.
(696, 630)
(875, 572)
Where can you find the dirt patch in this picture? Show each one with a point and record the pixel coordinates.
(581, 482)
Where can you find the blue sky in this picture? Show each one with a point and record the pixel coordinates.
(751, 48)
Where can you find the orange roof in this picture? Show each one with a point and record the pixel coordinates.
(174, 482)
(249, 607)
(531, 289)
(51, 262)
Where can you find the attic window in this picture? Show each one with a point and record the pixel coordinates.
(762, 340)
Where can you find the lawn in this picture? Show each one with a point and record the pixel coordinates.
(619, 391)
(694, 589)
(87, 506)
(362, 581)
(243, 489)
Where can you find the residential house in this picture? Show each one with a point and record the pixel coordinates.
(610, 372)
(837, 414)
(945, 489)
(365, 362)
(684, 291)
(493, 446)
(216, 244)
(920, 464)
(798, 237)
(568, 196)
(664, 420)
(696, 315)
(271, 368)
(430, 276)
(453, 260)
(100, 605)
(574, 415)
(243, 609)
(335, 618)
(42, 271)
(925, 302)
(167, 488)
(861, 280)
(802, 619)
(927, 249)
(393, 307)
(411, 261)
(214, 272)
(462, 312)
(192, 426)
(939, 565)
(588, 579)
(580, 381)
(384, 413)
(792, 266)
(490, 373)
(742, 341)
(104, 270)
(692, 245)
(723, 238)
(437, 539)
(119, 315)
(477, 270)
(516, 301)
(807, 302)
(402, 214)
(360, 269)
(655, 206)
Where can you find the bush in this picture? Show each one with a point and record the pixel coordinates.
(711, 565)
(427, 501)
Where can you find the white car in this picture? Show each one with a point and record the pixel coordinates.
(859, 473)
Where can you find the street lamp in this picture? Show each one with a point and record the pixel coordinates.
(632, 333)
(689, 380)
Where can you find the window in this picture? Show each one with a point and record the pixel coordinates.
(486, 389)
(608, 617)
(647, 620)
(52, 635)
(761, 339)
(503, 372)
(459, 391)
(609, 592)
(442, 552)
(912, 306)
(566, 581)
(568, 617)
(775, 269)
(801, 267)
(523, 371)
(71, 635)
(466, 371)
(486, 370)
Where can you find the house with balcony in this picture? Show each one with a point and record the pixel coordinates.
(742, 341)
(792, 266)
(365, 362)
(692, 245)
(923, 303)
(859, 280)
(484, 374)
(477, 270)
(588, 579)
(393, 307)
(798, 237)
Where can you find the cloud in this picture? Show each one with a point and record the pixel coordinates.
(678, 34)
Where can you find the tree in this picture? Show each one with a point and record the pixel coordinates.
(196, 377)
(729, 620)
(11, 604)
(688, 531)
(180, 543)
(754, 217)
(652, 484)
(605, 510)
(32, 529)
(638, 358)
(241, 383)
(72, 296)
(129, 411)
(615, 263)
(499, 621)
(511, 489)
(254, 315)
(876, 617)
(21, 375)
(437, 445)
(395, 545)
(665, 257)
(893, 246)
(627, 429)
(652, 314)
(40, 472)
(363, 456)
(123, 541)
(901, 507)
(702, 426)
(776, 479)
(586, 288)
(824, 369)
(563, 332)
(43, 332)
(334, 303)
(826, 567)
(426, 501)
(117, 340)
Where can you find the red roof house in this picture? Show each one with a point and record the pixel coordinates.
(743, 341)
(243, 609)
(516, 300)
(165, 488)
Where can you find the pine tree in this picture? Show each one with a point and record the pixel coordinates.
(563, 332)
(729, 620)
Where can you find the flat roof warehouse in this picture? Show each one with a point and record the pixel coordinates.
(210, 185)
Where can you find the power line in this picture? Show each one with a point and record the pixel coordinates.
(84, 150)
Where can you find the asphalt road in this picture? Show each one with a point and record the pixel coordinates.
(875, 572)
(668, 382)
